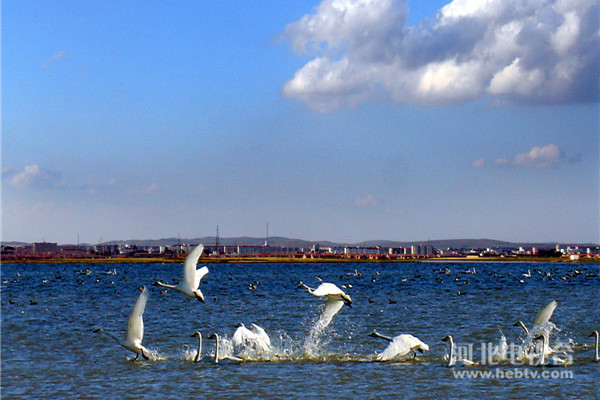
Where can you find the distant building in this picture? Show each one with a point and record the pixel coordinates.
(45, 247)
(422, 249)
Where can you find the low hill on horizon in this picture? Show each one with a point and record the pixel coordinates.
(300, 243)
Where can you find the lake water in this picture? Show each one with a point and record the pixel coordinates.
(50, 351)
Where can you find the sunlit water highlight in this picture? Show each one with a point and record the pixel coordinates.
(50, 351)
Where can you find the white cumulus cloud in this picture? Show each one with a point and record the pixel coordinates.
(540, 157)
(32, 176)
(546, 156)
(535, 51)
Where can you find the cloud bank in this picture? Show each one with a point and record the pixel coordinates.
(546, 156)
(531, 51)
(32, 176)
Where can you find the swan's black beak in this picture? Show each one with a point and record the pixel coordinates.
(155, 284)
(445, 339)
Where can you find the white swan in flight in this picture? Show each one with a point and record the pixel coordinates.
(595, 334)
(541, 324)
(199, 351)
(135, 329)
(400, 346)
(255, 338)
(218, 357)
(336, 299)
(330, 291)
(190, 285)
(454, 360)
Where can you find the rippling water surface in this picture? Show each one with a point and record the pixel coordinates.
(50, 351)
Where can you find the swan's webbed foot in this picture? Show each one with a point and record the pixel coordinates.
(134, 358)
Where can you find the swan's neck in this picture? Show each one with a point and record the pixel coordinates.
(379, 335)
(310, 290)
(596, 358)
(197, 358)
(216, 348)
(522, 325)
(166, 285)
(451, 361)
(112, 336)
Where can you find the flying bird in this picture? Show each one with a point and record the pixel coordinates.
(336, 299)
(190, 285)
(135, 329)
(399, 346)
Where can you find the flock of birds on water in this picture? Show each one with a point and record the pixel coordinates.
(257, 341)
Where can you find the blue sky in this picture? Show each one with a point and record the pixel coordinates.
(344, 120)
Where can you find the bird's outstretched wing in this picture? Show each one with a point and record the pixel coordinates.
(396, 348)
(330, 308)
(400, 346)
(242, 335)
(327, 289)
(545, 313)
(263, 341)
(135, 324)
(200, 273)
(189, 266)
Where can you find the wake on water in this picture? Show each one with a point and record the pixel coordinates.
(313, 348)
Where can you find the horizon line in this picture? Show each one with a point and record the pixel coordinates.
(262, 238)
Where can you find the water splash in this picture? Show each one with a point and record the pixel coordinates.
(315, 341)
(499, 352)
(155, 355)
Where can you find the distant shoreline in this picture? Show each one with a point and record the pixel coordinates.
(265, 260)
